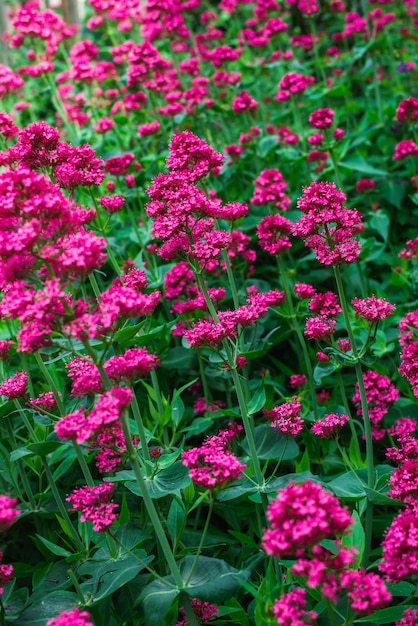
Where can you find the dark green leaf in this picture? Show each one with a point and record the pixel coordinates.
(272, 445)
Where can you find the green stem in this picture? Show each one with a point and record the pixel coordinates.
(141, 430)
(319, 65)
(248, 426)
(159, 401)
(149, 505)
(206, 391)
(110, 254)
(76, 585)
(203, 537)
(61, 506)
(348, 412)
(50, 382)
(188, 609)
(21, 469)
(95, 286)
(301, 339)
(83, 464)
(366, 417)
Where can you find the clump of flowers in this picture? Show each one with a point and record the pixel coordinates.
(329, 425)
(74, 617)
(291, 609)
(327, 226)
(212, 465)
(300, 517)
(380, 394)
(95, 505)
(204, 612)
(285, 418)
(8, 514)
(372, 309)
(269, 189)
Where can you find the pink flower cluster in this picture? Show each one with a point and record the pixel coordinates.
(407, 110)
(6, 573)
(209, 332)
(272, 234)
(106, 413)
(184, 216)
(300, 517)
(290, 609)
(15, 386)
(380, 394)
(204, 612)
(269, 189)
(8, 513)
(212, 465)
(285, 418)
(404, 149)
(322, 119)
(293, 84)
(95, 506)
(329, 425)
(372, 309)
(74, 617)
(327, 227)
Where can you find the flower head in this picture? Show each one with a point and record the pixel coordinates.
(300, 517)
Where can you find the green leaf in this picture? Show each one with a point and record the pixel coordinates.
(157, 598)
(111, 575)
(19, 454)
(267, 145)
(358, 164)
(355, 539)
(212, 580)
(380, 222)
(45, 447)
(50, 606)
(175, 521)
(53, 548)
(177, 410)
(385, 616)
(258, 400)
(168, 481)
(350, 486)
(272, 445)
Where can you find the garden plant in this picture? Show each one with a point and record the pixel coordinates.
(209, 314)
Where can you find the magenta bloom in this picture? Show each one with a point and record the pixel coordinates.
(320, 328)
(286, 419)
(409, 618)
(192, 156)
(6, 573)
(8, 513)
(300, 517)
(404, 149)
(404, 482)
(269, 188)
(367, 592)
(407, 110)
(75, 617)
(132, 364)
(112, 204)
(94, 503)
(304, 291)
(244, 102)
(400, 554)
(321, 118)
(325, 304)
(272, 234)
(327, 227)
(15, 386)
(292, 84)
(212, 466)
(329, 425)
(372, 309)
(290, 610)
